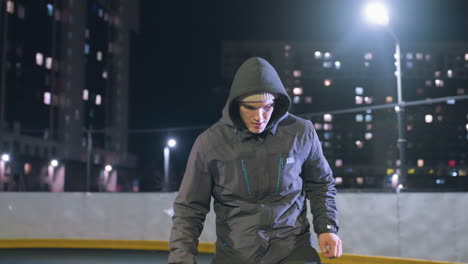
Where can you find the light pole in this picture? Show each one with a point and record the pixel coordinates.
(377, 13)
(170, 144)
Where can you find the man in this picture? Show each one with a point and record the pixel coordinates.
(259, 163)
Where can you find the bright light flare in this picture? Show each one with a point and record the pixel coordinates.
(5, 157)
(376, 13)
(54, 163)
(108, 168)
(171, 143)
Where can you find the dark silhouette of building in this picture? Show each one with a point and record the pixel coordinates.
(64, 92)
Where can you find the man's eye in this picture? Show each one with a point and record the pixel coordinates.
(249, 107)
(268, 107)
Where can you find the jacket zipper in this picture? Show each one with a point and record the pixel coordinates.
(280, 170)
(246, 177)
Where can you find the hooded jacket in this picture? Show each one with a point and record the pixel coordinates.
(259, 182)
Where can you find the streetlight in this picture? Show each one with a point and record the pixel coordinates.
(108, 168)
(377, 13)
(170, 144)
(54, 163)
(5, 157)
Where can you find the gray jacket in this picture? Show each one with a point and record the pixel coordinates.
(259, 182)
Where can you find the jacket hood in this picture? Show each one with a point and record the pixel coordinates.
(255, 75)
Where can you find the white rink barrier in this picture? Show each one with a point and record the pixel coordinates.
(430, 226)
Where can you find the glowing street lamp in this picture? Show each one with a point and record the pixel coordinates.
(54, 163)
(377, 13)
(170, 144)
(5, 157)
(108, 168)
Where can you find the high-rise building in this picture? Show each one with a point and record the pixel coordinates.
(349, 92)
(64, 93)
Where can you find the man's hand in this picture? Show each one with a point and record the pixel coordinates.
(330, 244)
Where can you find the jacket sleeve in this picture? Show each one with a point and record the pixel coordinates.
(319, 186)
(190, 207)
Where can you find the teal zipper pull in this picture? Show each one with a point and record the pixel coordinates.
(280, 170)
(246, 177)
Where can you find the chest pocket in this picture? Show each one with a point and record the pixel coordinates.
(288, 179)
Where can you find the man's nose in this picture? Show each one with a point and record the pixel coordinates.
(258, 115)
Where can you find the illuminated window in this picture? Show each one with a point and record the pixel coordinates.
(338, 180)
(368, 56)
(450, 73)
(360, 180)
(296, 99)
(369, 127)
(327, 64)
(389, 99)
(439, 83)
(327, 118)
(39, 58)
(50, 9)
(86, 48)
(47, 98)
(409, 65)
(104, 74)
(428, 57)
(297, 73)
(428, 83)
(337, 65)
(287, 47)
(428, 118)
(48, 64)
(359, 99)
(366, 64)
(99, 56)
(466, 56)
(359, 144)
(420, 163)
(298, 90)
(419, 56)
(466, 127)
(368, 136)
(98, 99)
(327, 55)
(440, 118)
(318, 126)
(451, 101)
(327, 82)
(327, 127)
(359, 118)
(409, 56)
(338, 163)
(87, 33)
(437, 74)
(327, 135)
(308, 99)
(359, 90)
(368, 100)
(369, 118)
(85, 94)
(10, 6)
(327, 144)
(318, 55)
(101, 12)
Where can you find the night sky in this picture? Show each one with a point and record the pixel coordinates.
(176, 78)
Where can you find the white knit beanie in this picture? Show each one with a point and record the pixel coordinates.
(258, 97)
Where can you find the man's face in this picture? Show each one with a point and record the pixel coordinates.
(256, 115)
